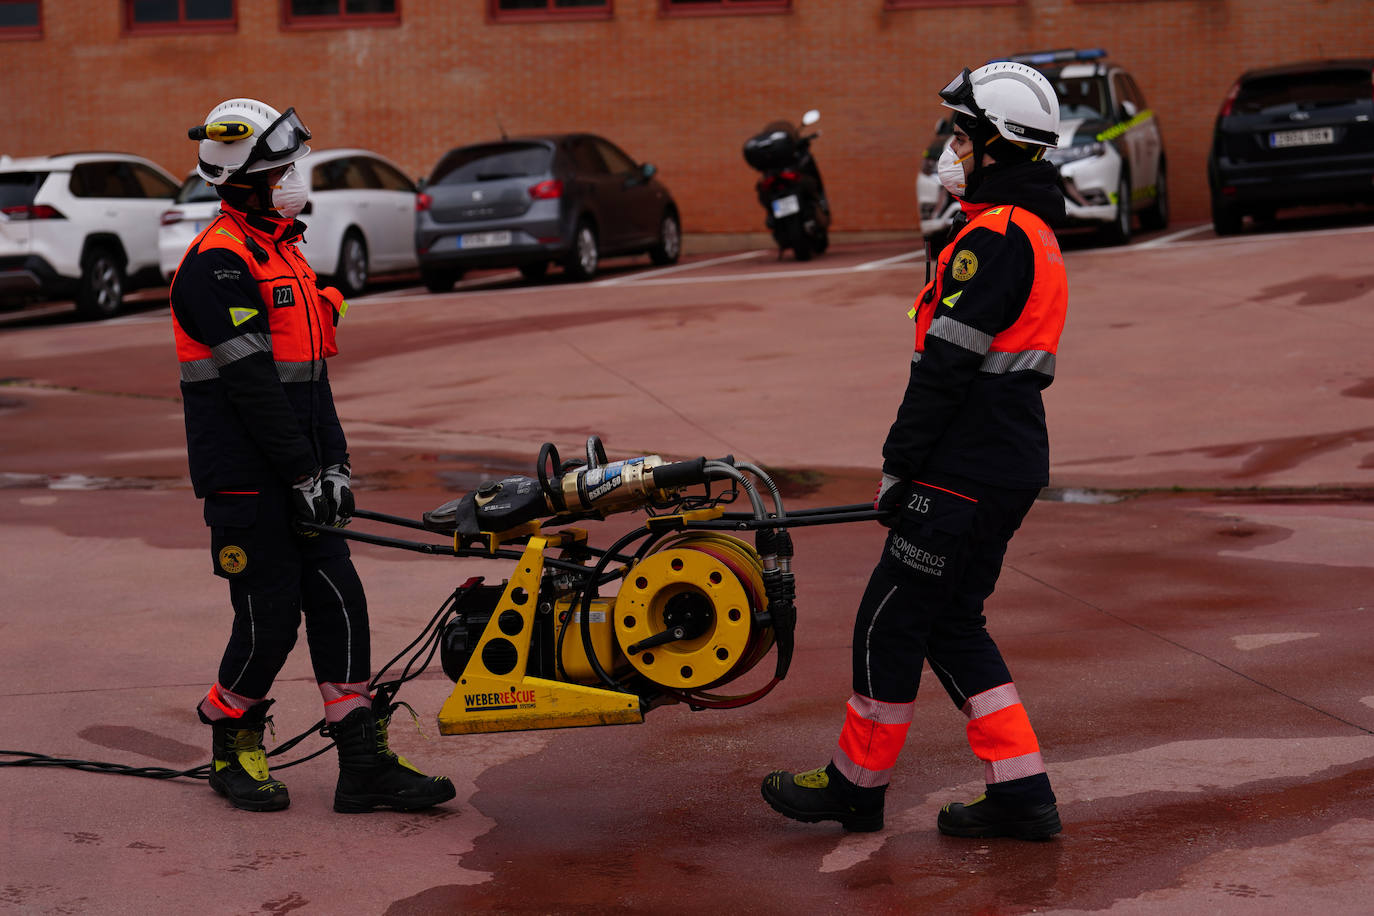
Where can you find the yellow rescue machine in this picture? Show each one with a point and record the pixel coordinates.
(696, 607)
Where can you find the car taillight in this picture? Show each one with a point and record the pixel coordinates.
(788, 175)
(1230, 100)
(172, 216)
(32, 211)
(547, 190)
(423, 202)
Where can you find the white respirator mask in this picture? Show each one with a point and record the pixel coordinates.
(290, 194)
(950, 170)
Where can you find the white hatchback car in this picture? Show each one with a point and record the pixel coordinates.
(81, 225)
(360, 218)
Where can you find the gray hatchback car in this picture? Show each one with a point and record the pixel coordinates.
(528, 202)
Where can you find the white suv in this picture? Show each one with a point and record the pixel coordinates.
(82, 225)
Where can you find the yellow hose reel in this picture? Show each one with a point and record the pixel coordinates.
(685, 615)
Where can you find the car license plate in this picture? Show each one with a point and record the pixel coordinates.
(483, 239)
(1312, 136)
(786, 206)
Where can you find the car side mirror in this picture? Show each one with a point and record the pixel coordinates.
(420, 183)
(648, 170)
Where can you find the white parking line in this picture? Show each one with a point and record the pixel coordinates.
(895, 259)
(1173, 237)
(635, 278)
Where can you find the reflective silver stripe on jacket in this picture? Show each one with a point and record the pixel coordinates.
(300, 372)
(960, 334)
(203, 370)
(1041, 361)
(236, 348)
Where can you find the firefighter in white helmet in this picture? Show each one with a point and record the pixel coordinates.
(962, 465)
(267, 453)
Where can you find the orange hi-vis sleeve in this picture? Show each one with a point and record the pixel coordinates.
(871, 739)
(1000, 734)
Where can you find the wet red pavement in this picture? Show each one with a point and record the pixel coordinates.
(1196, 656)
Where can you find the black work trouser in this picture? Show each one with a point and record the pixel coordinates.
(275, 575)
(924, 600)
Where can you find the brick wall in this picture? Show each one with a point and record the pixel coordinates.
(682, 92)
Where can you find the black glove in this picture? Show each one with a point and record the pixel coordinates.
(310, 501)
(890, 498)
(334, 483)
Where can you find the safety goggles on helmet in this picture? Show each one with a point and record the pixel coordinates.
(959, 95)
(280, 141)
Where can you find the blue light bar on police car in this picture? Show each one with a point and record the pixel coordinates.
(1054, 57)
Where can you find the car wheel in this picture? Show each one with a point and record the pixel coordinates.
(669, 247)
(439, 280)
(586, 255)
(352, 275)
(101, 293)
(1225, 218)
(1119, 232)
(535, 271)
(1156, 216)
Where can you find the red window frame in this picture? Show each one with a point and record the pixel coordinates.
(929, 4)
(18, 32)
(550, 13)
(340, 20)
(182, 24)
(723, 7)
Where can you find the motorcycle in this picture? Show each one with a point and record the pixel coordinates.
(790, 189)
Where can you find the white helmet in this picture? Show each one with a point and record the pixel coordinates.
(1016, 99)
(240, 136)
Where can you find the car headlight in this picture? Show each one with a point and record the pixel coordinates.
(1076, 152)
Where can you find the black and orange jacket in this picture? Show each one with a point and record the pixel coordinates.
(253, 330)
(987, 335)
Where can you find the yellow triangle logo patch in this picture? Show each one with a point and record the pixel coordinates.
(952, 298)
(241, 315)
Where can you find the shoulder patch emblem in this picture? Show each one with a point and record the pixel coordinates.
(232, 559)
(964, 265)
(952, 298)
(241, 315)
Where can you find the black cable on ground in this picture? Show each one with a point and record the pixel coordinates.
(428, 642)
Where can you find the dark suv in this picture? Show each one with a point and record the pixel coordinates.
(568, 199)
(1291, 136)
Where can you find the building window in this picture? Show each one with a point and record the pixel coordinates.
(719, 7)
(526, 10)
(926, 4)
(20, 19)
(340, 14)
(179, 15)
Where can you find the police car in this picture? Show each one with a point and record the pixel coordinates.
(1110, 154)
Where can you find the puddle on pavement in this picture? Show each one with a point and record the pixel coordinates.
(11, 481)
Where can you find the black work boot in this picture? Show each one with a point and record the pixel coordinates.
(239, 772)
(825, 795)
(372, 775)
(987, 816)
